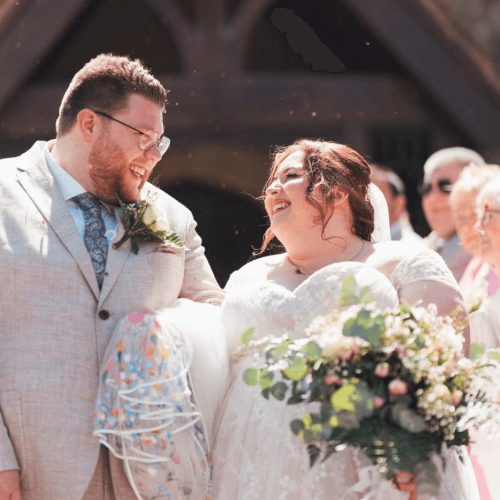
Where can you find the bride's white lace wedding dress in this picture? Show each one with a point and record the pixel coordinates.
(256, 456)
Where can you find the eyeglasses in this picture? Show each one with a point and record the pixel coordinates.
(443, 185)
(149, 138)
(485, 216)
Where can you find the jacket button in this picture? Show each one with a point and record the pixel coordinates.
(103, 314)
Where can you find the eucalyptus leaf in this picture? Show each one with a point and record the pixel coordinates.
(493, 355)
(312, 350)
(296, 370)
(476, 351)
(348, 295)
(349, 328)
(251, 376)
(247, 336)
(296, 426)
(349, 286)
(279, 351)
(266, 379)
(279, 390)
(349, 300)
(363, 295)
(373, 334)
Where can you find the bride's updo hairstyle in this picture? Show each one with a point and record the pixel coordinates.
(329, 164)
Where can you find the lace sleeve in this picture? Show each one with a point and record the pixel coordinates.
(426, 265)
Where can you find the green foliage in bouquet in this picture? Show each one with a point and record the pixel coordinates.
(394, 383)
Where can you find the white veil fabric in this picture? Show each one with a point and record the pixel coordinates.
(382, 229)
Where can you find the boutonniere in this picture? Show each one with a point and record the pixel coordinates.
(144, 221)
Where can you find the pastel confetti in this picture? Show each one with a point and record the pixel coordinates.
(136, 318)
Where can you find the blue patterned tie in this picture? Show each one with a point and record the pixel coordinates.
(94, 237)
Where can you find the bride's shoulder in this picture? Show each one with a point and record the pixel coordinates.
(406, 263)
(255, 270)
(400, 250)
(391, 255)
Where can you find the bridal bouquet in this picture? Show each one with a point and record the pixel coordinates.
(393, 383)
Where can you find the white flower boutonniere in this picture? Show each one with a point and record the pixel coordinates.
(144, 221)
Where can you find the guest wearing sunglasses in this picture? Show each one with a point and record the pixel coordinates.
(441, 171)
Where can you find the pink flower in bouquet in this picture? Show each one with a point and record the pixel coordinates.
(382, 370)
(378, 402)
(331, 379)
(456, 397)
(398, 387)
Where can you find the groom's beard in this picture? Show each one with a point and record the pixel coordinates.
(110, 173)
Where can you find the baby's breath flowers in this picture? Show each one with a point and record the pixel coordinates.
(394, 383)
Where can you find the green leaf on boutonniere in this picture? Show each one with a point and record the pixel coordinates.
(143, 221)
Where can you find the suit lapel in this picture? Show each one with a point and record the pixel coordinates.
(42, 188)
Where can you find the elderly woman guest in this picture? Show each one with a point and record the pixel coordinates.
(478, 280)
(485, 323)
(485, 328)
(318, 203)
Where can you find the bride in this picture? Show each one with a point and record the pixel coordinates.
(161, 402)
(318, 203)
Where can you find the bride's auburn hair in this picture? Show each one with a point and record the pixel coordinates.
(329, 164)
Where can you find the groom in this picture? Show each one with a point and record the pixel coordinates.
(64, 286)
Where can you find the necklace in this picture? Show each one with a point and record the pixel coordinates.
(298, 270)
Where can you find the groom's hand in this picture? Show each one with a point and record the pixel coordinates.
(9, 485)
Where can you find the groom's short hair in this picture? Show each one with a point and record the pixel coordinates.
(105, 84)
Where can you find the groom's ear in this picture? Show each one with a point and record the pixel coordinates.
(86, 123)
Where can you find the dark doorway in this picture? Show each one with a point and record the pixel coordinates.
(231, 225)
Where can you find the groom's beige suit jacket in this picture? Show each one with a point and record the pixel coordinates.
(55, 323)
